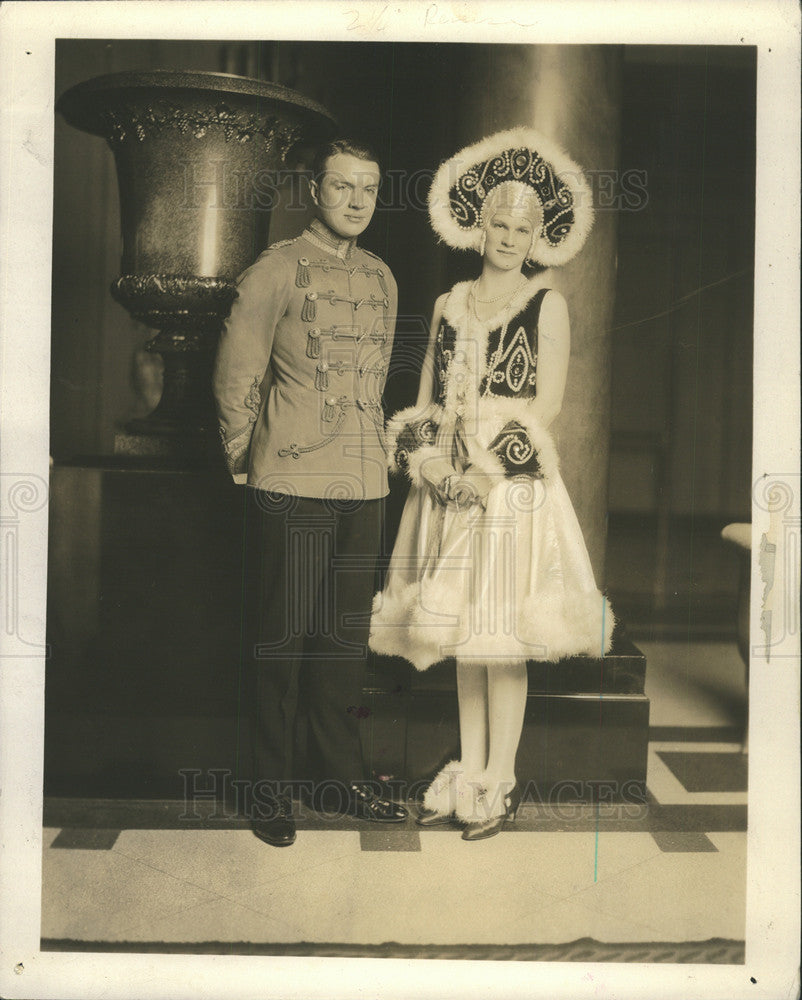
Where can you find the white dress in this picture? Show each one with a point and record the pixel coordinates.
(509, 582)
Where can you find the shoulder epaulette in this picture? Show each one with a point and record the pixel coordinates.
(373, 255)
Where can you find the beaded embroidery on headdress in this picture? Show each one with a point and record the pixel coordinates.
(517, 158)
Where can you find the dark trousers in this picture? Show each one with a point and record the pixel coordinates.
(309, 584)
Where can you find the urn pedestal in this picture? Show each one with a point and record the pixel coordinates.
(201, 159)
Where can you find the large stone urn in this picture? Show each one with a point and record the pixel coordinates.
(200, 160)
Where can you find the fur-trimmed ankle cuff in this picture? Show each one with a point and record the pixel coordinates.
(448, 790)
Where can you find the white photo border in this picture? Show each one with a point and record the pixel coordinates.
(27, 58)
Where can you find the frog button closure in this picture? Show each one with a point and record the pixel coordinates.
(328, 408)
(322, 376)
(302, 276)
(313, 343)
(309, 311)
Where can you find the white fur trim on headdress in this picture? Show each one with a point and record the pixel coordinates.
(443, 209)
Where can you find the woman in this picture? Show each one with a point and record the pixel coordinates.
(489, 565)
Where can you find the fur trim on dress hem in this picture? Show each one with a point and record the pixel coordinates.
(549, 627)
(389, 631)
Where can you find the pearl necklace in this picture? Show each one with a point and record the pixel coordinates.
(498, 353)
(508, 295)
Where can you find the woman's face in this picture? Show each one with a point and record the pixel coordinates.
(509, 236)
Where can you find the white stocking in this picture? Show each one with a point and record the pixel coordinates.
(506, 688)
(472, 699)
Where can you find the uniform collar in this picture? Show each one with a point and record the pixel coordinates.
(326, 239)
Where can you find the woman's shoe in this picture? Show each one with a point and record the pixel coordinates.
(442, 796)
(430, 817)
(495, 824)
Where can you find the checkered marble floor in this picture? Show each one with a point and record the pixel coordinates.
(670, 870)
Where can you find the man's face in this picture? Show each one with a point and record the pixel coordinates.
(346, 194)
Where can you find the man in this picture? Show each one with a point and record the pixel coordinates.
(298, 381)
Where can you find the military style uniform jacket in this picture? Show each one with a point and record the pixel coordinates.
(301, 367)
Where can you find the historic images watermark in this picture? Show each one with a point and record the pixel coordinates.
(218, 185)
(23, 514)
(776, 511)
(217, 796)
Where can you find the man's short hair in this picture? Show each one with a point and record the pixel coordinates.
(350, 147)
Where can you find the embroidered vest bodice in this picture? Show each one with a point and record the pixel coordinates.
(509, 368)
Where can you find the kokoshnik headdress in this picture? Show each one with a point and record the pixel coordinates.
(518, 167)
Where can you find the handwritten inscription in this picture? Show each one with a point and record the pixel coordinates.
(465, 14)
(370, 20)
(374, 19)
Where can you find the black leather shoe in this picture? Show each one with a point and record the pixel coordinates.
(366, 804)
(277, 829)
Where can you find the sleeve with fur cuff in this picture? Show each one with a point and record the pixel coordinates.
(524, 447)
(516, 451)
(407, 432)
(511, 435)
(417, 459)
(486, 461)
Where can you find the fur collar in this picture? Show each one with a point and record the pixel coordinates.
(469, 364)
(457, 307)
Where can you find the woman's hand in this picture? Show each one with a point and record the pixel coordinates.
(439, 474)
(470, 488)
